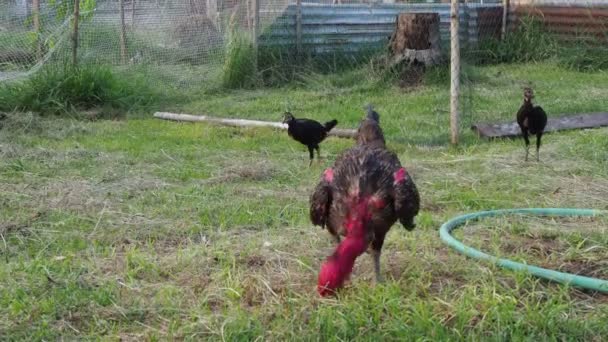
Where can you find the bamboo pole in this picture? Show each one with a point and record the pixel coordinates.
(505, 17)
(455, 71)
(256, 22)
(342, 133)
(123, 34)
(256, 33)
(249, 15)
(36, 22)
(299, 27)
(133, 15)
(75, 33)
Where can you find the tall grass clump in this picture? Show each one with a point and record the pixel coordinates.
(282, 65)
(529, 42)
(582, 56)
(240, 69)
(57, 90)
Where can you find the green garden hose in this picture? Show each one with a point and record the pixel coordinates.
(565, 278)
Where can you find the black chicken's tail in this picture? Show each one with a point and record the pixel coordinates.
(330, 124)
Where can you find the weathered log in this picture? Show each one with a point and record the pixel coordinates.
(511, 129)
(416, 39)
(338, 132)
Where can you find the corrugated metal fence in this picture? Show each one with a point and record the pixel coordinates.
(356, 27)
(567, 22)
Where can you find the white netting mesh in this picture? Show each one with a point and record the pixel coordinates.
(183, 42)
(542, 37)
(172, 35)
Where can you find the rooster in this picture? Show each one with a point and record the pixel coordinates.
(531, 119)
(308, 132)
(361, 197)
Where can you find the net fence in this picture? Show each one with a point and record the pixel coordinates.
(174, 36)
(184, 43)
(559, 48)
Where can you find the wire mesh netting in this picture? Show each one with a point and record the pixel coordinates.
(185, 43)
(540, 44)
(174, 36)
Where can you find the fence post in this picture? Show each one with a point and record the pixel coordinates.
(123, 34)
(505, 17)
(36, 22)
(299, 27)
(133, 15)
(455, 70)
(256, 22)
(256, 28)
(75, 33)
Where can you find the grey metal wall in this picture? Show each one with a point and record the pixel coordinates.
(355, 27)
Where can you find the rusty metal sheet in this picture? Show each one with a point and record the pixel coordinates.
(511, 129)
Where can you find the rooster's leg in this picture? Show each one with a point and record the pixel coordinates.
(538, 136)
(376, 256)
(312, 155)
(376, 251)
(525, 133)
(318, 153)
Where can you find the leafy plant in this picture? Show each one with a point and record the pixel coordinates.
(56, 90)
(240, 70)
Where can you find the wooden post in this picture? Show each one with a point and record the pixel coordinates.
(256, 29)
(133, 15)
(36, 22)
(248, 15)
(123, 34)
(75, 33)
(505, 17)
(299, 27)
(256, 22)
(455, 71)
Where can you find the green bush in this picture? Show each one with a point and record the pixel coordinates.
(240, 65)
(530, 42)
(584, 57)
(56, 90)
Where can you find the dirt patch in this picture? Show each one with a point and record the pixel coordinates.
(198, 282)
(254, 172)
(255, 261)
(432, 207)
(443, 274)
(411, 77)
(21, 227)
(595, 269)
(537, 246)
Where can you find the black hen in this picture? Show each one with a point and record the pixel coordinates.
(361, 197)
(531, 120)
(308, 132)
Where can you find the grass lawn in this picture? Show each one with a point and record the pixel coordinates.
(143, 229)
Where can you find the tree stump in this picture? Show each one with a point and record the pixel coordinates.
(416, 39)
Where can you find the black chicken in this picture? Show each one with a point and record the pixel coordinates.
(308, 132)
(531, 120)
(361, 197)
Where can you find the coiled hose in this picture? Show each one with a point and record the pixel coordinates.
(565, 278)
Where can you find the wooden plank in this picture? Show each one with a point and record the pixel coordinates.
(511, 129)
(338, 132)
